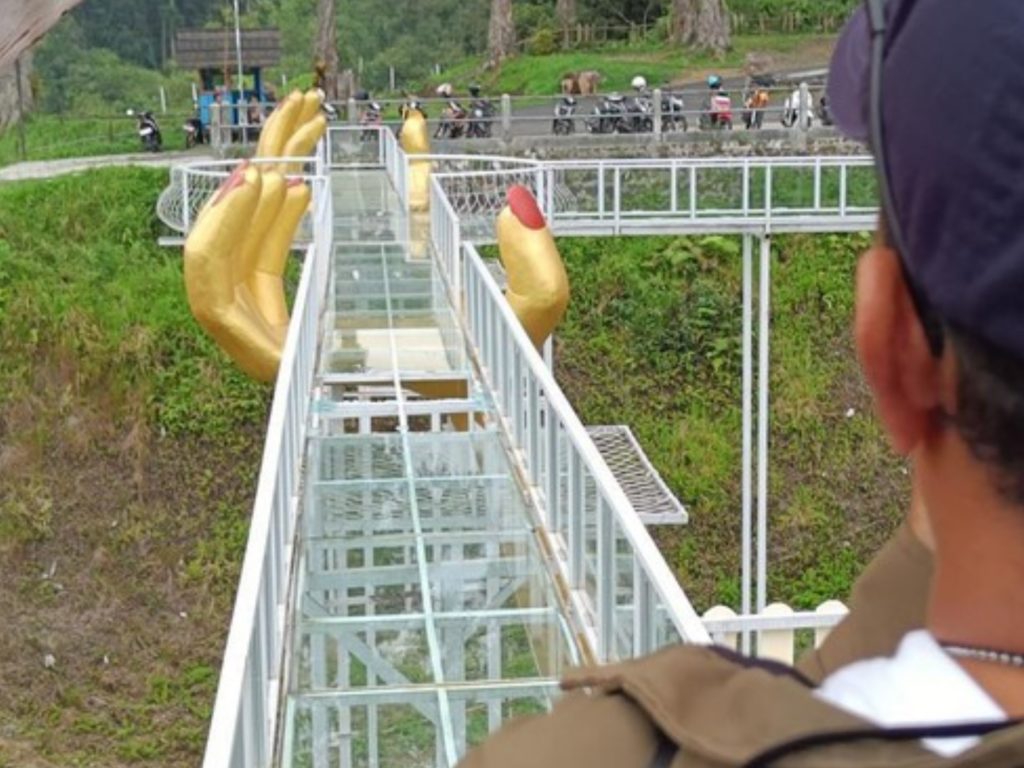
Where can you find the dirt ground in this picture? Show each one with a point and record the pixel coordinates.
(120, 553)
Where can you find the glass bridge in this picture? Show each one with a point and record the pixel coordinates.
(423, 613)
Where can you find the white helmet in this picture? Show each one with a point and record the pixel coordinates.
(444, 90)
(639, 83)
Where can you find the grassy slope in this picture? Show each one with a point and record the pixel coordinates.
(658, 62)
(128, 454)
(652, 339)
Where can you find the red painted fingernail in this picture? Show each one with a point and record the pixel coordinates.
(234, 181)
(524, 207)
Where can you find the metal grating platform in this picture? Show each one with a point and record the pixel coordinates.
(653, 501)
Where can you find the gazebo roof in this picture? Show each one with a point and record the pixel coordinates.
(215, 48)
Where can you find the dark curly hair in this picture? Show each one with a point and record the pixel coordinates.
(990, 394)
(990, 408)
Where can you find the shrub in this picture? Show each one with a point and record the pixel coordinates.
(543, 43)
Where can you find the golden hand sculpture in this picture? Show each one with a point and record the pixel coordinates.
(236, 253)
(416, 141)
(538, 286)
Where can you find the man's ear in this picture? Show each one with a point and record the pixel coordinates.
(903, 374)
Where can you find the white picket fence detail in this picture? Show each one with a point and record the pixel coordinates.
(775, 630)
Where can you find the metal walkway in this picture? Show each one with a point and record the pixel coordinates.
(436, 535)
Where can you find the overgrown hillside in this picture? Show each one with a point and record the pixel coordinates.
(128, 453)
(652, 339)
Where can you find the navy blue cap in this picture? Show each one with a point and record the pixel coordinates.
(953, 127)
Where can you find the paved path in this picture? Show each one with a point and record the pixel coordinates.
(45, 169)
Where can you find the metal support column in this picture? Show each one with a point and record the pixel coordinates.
(748, 431)
(764, 326)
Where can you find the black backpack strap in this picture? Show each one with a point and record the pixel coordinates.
(813, 741)
(666, 753)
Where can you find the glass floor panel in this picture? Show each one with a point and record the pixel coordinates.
(390, 313)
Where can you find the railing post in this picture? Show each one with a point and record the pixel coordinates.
(828, 608)
(817, 184)
(843, 179)
(658, 116)
(353, 117)
(764, 361)
(617, 201)
(746, 471)
(776, 644)
(506, 116)
(718, 613)
(186, 211)
(805, 107)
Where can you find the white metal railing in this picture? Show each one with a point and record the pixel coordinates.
(446, 237)
(711, 194)
(245, 713)
(192, 185)
(589, 521)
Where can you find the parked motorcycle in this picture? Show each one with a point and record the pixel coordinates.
(717, 112)
(454, 120)
(673, 113)
(148, 129)
(481, 115)
(798, 111)
(610, 116)
(370, 120)
(640, 114)
(564, 123)
(194, 132)
(824, 112)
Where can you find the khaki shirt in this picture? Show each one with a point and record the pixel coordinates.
(700, 707)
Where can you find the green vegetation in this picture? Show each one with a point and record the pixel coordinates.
(49, 137)
(652, 339)
(129, 448)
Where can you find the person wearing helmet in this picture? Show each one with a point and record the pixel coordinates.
(444, 91)
(474, 90)
(639, 83)
(714, 82)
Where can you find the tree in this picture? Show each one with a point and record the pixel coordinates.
(501, 36)
(565, 12)
(326, 48)
(702, 24)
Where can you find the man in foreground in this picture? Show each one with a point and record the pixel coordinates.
(929, 668)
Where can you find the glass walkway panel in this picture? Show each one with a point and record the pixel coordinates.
(424, 614)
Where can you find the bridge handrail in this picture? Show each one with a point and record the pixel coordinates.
(242, 729)
(192, 184)
(562, 459)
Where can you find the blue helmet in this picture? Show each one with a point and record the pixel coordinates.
(714, 81)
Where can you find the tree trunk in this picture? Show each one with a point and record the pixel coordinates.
(565, 12)
(11, 100)
(501, 36)
(701, 24)
(326, 51)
